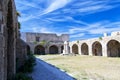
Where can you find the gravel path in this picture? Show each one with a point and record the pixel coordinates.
(45, 71)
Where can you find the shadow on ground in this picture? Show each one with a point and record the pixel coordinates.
(46, 71)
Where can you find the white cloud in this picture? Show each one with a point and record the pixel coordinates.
(25, 3)
(26, 18)
(77, 35)
(94, 9)
(91, 6)
(41, 30)
(56, 4)
(105, 28)
(97, 28)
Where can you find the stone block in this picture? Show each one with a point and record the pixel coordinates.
(1, 15)
(1, 41)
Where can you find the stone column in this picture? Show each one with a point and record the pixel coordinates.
(59, 49)
(104, 50)
(79, 49)
(70, 49)
(66, 48)
(32, 47)
(90, 49)
(46, 50)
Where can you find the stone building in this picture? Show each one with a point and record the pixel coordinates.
(9, 36)
(43, 43)
(108, 46)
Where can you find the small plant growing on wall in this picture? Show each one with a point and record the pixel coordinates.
(18, 14)
(35, 42)
(19, 25)
(100, 38)
(43, 42)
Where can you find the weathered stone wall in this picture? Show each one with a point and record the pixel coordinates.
(8, 36)
(21, 50)
(50, 40)
(31, 37)
(104, 46)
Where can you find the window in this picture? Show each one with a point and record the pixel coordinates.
(37, 39)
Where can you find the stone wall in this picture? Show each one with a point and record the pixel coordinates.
(31, 37)
(21, 50)
(8, 20)
(50, 40)
(104, 46)
(8, 38)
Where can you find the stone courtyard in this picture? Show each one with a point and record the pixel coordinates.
(13, 50)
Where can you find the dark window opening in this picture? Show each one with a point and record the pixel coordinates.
(37, 39)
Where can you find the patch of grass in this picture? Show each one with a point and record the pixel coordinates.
(86, 67)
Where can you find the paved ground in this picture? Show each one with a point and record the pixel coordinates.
(45, 71)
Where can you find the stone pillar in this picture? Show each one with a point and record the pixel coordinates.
(59, 49)
(32, 47)
(79, 49)
(47, 50)
(66, 48)
(70, 49)
(104, 50)
(90, 49)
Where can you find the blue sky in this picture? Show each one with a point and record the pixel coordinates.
(82, 19)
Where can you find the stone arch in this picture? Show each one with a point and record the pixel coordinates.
(62, 47)
(84, 49)
(53, 49)
(10, 42)
(113, 48)
(39, 49)
(75, 49)
(97, 49)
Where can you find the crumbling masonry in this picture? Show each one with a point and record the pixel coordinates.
(10, 43)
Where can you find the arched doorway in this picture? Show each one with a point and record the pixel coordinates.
(75, 49)
(97, 49)
(62, 47)
(11, 42)
(113, 48)
(84, 49)
(53, 49)
(40, 50)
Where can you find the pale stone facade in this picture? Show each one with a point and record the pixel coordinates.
(43, 43)
(103, 46)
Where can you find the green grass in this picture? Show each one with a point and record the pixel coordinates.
(86, 67)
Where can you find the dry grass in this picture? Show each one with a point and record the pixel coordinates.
(86, 67)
